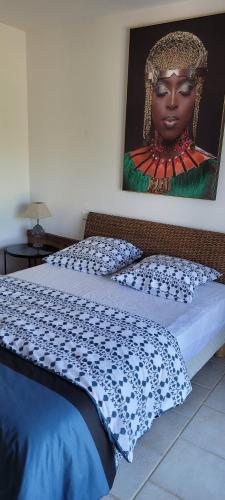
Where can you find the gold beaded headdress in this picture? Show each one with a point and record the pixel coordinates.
(180, 53)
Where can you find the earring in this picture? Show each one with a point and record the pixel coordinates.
(198, 95)
(147, 110)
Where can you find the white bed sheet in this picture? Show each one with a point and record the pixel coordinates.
(194, 325)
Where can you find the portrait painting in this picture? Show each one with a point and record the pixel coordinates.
(175, 108)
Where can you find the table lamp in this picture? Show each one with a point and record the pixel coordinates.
(37, 210)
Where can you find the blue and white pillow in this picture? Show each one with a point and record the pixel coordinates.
(167, 277)
(96, 255)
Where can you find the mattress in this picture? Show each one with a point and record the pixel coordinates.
(194, 325)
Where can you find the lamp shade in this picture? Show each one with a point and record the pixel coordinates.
(37, 210)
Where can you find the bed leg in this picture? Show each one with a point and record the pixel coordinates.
(221, 352)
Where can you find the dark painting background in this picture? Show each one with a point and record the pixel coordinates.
(211, 31)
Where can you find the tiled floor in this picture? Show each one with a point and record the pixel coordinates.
(183, 455)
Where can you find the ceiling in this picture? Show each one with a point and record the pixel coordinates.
(25, 14)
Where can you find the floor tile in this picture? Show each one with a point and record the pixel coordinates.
(109, 497)
(207, 430)
(191, 473)
(193, 401)
(164, 432)
(193, 468)
(219, 361)
(209, 375)
(130, 477)
(216, 399)
(154, 492)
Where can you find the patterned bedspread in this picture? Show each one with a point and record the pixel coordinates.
(131, 367)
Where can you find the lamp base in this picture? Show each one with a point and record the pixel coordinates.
(38, 233)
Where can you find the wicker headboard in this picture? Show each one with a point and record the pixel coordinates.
(206, 247)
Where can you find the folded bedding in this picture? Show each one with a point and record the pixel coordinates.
(52, 444)
(130, 367)
(193, 324)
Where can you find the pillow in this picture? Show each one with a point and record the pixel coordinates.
(96, 255)
(167, 277)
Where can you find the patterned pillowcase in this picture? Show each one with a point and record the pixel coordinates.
(96, 255)
(167, 277)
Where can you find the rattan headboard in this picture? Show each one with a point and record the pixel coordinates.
(206, 247)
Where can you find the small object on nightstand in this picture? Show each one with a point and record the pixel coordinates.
(37, 210)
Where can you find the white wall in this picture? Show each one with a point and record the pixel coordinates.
(14, 173)
(77, 94)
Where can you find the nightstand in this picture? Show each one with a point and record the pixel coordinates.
(25, 251)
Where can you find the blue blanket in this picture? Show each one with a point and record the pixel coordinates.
(130, 367)
(47, 451)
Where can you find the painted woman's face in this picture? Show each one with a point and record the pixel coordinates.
(173, 102)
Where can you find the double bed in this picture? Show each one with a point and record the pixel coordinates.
(54, 443)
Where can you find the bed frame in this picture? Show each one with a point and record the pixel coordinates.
(205, 247)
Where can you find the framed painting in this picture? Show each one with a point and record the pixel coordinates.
(175, 108)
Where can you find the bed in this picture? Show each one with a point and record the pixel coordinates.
(53, 441)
